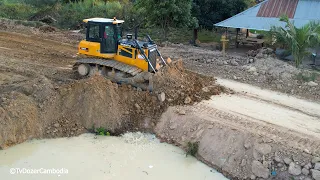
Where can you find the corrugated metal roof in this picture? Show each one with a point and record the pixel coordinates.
(276, 8)
(306, 11)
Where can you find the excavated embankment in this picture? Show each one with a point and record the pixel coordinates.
(40, 98)
(38, 109)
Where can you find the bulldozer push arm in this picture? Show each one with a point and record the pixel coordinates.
(144, 55)
(158, 52)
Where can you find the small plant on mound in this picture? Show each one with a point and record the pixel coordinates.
(192, 148)
(102, 131)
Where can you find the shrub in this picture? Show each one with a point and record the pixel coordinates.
(72, 14)
(16, 11)
(192, 148)
(102, 132)
(41, 3)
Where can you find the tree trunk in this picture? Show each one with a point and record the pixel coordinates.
(195, 36)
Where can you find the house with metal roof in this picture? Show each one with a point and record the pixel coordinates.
(266, 14)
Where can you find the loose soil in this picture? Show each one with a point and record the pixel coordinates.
(40, 91)
(263, 69)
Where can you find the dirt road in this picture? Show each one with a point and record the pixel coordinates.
(260, 105)
(32, 54)
(248, 129)
(280, 117)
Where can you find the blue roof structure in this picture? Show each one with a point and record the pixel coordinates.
(306, 11)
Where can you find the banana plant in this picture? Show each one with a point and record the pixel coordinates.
(297, 40)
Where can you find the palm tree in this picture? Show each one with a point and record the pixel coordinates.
(297, 40)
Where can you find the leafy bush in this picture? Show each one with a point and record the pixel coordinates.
(41, 3)
(192, 148)
(16, 11)
(72, 14)
(209, 12)
(102, 132)
(167, 14)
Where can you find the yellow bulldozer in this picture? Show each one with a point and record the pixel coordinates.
(125, 61)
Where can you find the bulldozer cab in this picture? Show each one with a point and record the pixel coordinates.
(105, 31)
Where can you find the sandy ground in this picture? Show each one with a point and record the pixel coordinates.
(268, 106)
(248, 129)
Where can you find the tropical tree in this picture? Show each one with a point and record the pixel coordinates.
(168, 13)
(41, 3)
(297, 40)
(209, 12)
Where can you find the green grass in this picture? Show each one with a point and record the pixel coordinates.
(16, 10)
(174, 35)
(206, 36)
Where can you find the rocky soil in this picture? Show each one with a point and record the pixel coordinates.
(40, 96)
(260, 68)
(240, 148)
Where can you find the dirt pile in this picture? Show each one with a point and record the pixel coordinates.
(184, 87)
(41, 30)
(47, 28)
(260, 68)
(36, 77)
(42, 108)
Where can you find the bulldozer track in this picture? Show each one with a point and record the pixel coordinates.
(137, 77)
(112, 64)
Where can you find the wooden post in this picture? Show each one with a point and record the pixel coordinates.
(237, 34)
(224, 41)
(226, 32)
(195, 36)
(247, 35)
(136, 32)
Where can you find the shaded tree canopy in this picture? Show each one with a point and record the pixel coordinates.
(167, 13)
(209, 12)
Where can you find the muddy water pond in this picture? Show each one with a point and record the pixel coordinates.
(133, 156)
